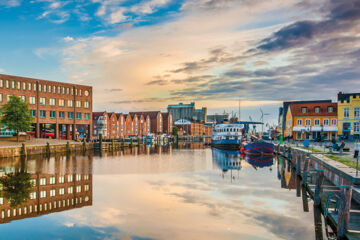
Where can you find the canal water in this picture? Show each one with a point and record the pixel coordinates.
(189, 192)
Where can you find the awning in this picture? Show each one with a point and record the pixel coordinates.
(315, 129)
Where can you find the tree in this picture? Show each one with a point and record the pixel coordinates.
(16, 115)
(175, 131)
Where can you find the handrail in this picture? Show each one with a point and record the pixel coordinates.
(329, 198)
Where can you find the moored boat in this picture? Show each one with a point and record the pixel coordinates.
(259, 148)
(226, 136)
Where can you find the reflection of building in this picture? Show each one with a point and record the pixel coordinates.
(311, 120)
(349, 115)
(58, 109)
(51, 193)
(188, 112)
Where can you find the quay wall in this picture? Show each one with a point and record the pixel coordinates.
(336, 172)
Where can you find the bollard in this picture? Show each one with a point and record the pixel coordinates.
(113, 144)
(318, 223)
(319, 182)
(305, 199)
(84, 147)
(357, 165)
(100, 141)
(298, 165)
(123, 143)
(344, 211)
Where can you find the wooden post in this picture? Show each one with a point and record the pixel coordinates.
(298, 164)
(305, 167)
(113, 144)
(344, 211)
(47, 149)
(318, 223)
(305, 199)
(100, 141)
(319, 181)
(67, 147)
(23, 150)
(298, 186)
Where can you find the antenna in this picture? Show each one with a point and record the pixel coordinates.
(239, 109)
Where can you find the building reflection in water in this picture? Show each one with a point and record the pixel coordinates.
(59, 183)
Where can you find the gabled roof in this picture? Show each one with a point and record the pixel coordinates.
(296, 109)
(98, 114)
(151, 114)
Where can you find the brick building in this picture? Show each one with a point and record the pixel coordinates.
(60, 110)
(101, 124)
(167, 122)
(129, 127)
(156, 121)
(196, 129)
(51, 193)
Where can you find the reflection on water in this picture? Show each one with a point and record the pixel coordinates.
(180, 192)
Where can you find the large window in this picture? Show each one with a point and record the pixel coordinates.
(32, 100)
(78, 104)
(317, 122)
(61, 102)
(70, 103)
(33, 113)
(61, 115)
(1, 83)
(87, 116)
(78, 115)
(52, 101)
(52, 114)
(42, 181)
(356, 112)
(333, 122)
(43, 101)
(70, 115)
(357, 127)
(86, 104)
(326, 122)
(42, 113)
(299, 122)
(43, 194)
(307, 122)
(346, 112)
(1, 97)
(317, 109)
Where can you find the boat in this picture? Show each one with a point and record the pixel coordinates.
(227, 136)
(258, 161)
(259, 148)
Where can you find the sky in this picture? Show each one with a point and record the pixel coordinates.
(146, 54)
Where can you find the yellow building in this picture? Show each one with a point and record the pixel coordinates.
(349, 115)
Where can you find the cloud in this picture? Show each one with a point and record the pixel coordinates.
(114, 90)
(10, 3)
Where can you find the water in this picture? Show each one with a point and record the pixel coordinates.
(163, 193)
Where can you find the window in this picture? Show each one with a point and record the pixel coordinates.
(63, 90)
(67, 91)
(86, 187)
(33, 195)
(78, 115)
(346, 112)
(42, 181)
(87, 116)
(42, 113)
(61, 102)
(317, 109)
(61, 179)
(78, 104)
(34, 88)
(30, 86)
(70, 178)
(356, 112)
(62, 191)
(86, 104)
(78, 188)
(40, 87)
(59, 90)
(54, 89)
(24, 85)
(70, 103)
(33, 113)
(70, 115)
(45, 88)
(333, 121)
(43, 101)
(50, 88)
(52, 193)
(76, 92)
(326, 122)
(86, 177)
(307, 122)
(317, 122)
(22, 97)
(78, 177)
(43, 194)
(86, 93)
(52, 180)
(1, 201)
(52, 101)
(7, 84)
(1, 97)
(70, 190)
(299, 122)
(32, 100)
(52, 114)
(1, 83)
(13, 84)
(61, 115)
(304, 109)
(288, 124)
(33, 182)
(19, 85)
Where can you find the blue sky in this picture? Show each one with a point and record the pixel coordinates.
(145, 54)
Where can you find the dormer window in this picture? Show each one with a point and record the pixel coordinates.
(330, 109)
(304, 109)
(317, 109)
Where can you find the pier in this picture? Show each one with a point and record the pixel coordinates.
(334, 188)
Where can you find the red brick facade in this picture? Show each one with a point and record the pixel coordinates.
(68, 107)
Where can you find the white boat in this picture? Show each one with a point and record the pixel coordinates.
(227, 136)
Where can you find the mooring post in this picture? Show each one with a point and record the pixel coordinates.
(319, 182)
(305, 199)
(344, 211)
(298, 165)
(131, 142)
(67, 147)
(100, 141)
(113, 144)
(318, 223)
(123, 143)
(47, 149)
(298, 186)
(305, 167)
(23, 150)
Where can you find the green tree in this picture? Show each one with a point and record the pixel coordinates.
(175, 131)
(16, 115)
(16, 187)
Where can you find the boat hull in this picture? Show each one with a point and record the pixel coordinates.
(229, 144)
(259, 148)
